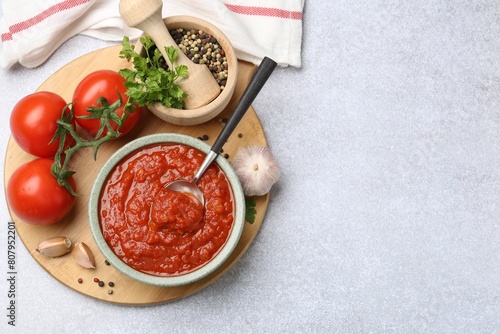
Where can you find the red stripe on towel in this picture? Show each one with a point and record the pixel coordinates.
(54, 9)
(265, 11)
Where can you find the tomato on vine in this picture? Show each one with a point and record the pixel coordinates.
(33, 123)
(35, 196)
(43, 191)
(101, 95)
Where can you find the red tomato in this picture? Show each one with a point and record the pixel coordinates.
(34, 195)
(107, 84)
(33, 123)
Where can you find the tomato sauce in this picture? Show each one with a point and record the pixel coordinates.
(155, 230)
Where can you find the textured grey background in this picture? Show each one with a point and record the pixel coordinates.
(386, 218)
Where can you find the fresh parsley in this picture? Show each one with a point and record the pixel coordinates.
(250, 210)
(148, 81)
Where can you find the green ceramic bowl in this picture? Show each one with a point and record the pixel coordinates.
(193, 276)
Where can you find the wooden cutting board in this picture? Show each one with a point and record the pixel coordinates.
(75, 226)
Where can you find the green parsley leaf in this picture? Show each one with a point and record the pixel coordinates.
(250, 210)
(182, 71)
(172, 54)
(149, 81)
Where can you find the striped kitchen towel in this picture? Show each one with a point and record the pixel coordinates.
(31, 30)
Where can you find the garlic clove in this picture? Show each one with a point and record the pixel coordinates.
(54, 247)
(257, 169)
(83, 256)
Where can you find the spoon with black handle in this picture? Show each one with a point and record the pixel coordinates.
(258, 80)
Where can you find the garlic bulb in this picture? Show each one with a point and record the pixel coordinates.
(257, 169)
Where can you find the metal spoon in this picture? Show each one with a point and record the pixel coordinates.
(258, 80)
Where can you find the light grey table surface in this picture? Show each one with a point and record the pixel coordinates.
(386, 217)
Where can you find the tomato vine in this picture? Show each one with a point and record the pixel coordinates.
(106, 114)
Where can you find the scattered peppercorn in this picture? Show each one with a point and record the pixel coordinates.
(101, 283)
(110, 292)
(205, 137)
(96, 280)
(80, 280)
(226, 155)
(111, 284)
(106, 262)
(240, 135)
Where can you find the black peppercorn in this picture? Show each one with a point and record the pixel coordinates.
(203, 48)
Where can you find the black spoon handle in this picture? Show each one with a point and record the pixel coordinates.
(258, 80)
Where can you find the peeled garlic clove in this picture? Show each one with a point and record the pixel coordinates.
(54, 247)
(257, 169)
(83, 255)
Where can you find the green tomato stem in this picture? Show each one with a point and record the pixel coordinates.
(106, 113)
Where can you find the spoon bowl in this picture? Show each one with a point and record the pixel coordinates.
(188, 187)
(258, 80)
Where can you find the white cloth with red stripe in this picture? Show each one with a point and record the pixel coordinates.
(31, 30)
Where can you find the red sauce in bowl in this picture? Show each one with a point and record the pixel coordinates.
(155, 230)
(176, 212)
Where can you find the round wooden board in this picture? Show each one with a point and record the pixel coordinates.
(75, 226)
